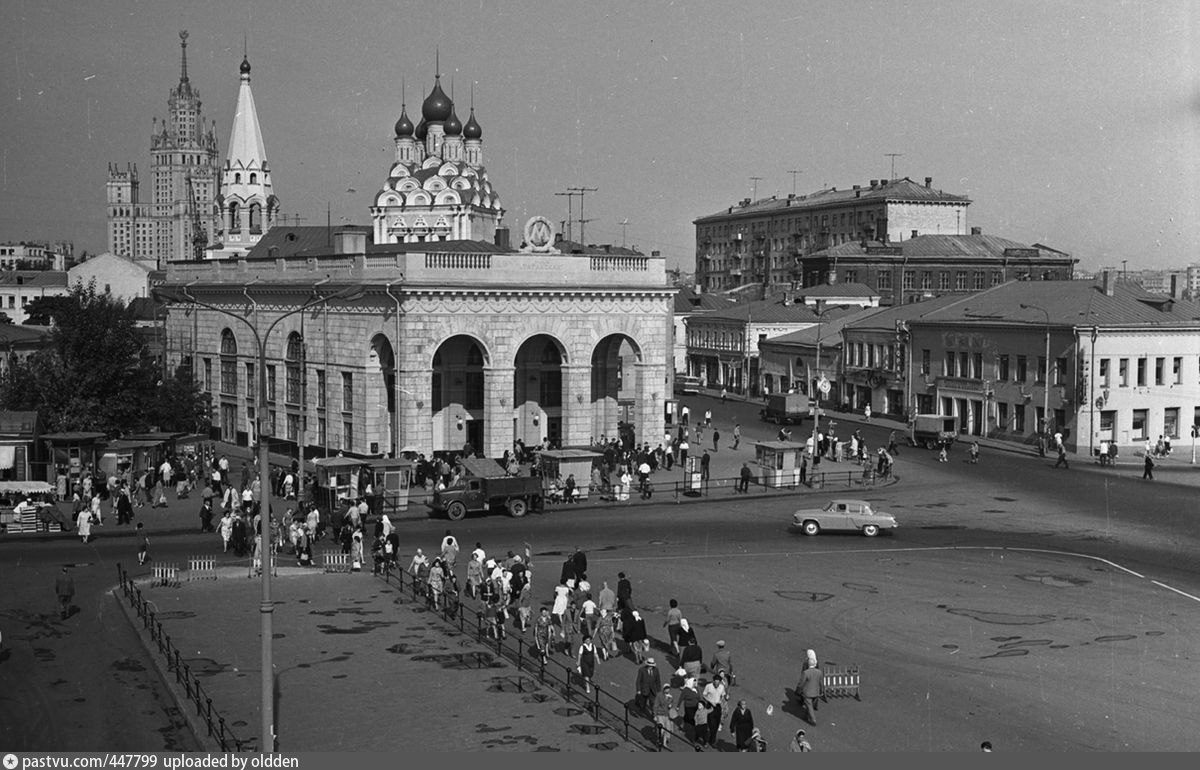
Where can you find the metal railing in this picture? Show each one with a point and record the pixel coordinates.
(602, 705)
(192, 687)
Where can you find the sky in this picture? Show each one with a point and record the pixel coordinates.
(1072, 124)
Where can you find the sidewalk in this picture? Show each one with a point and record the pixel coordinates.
(359, 668)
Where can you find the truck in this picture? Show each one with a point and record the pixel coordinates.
(486, 486)
(783, 408)
(932, 430)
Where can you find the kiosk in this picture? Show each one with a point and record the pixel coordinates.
(558, 464)
(780, 462)
(71, 454)
(393, 477)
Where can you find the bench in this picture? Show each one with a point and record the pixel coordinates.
(839, 682)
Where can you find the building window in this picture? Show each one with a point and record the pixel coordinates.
(1060, 371)
(1002, 369)
(1105, 372)
(908, 279)
(960, 280)
(1177, 370)
(851, 276)
(883, 280)
(270, 426)
(208, 375)
(293, 428)
(1041, 369)
(948, 364)
(1123, 372)
(251, 385)
(1022, 369)
(1141, 372)
(321, 391)
(977, 365)
(348, 436)
(228, 363)
(347, 391)
(925, 361)
(943, 281)
(1160, 371)
(292, 364)
(978, 281)
(926, 281)
(1171, 422)
(1139, 424)
(1002, 416)
(322, 431)
(1019, 413)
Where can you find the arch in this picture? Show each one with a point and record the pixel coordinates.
(380, 391)
(457, 393)
(256, 217)
(253, 178)
(408, 185)
(538, 390)
(461, 184)
(293, 360)
(229, 351)
(449, 168)
(616, 384)
(419, 198)
(235, 217)
(448, 198)
(237, 178)
(434, 184)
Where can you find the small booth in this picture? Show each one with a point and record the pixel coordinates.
(133, 455)
(338, 479)
(20, 448)
(558, 464)
(393, 477)
(28, 506)
(670, 414)
(71, 454)
(780, 462)
(693, 476)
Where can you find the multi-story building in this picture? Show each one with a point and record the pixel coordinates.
(20, 287)
(928, 265)
(688, 304)
(31, 255)
(179, 220)
(760, 241)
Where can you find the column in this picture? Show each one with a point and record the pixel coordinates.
(415, 426)
(652, 384)
(498, 416)
(577, 409)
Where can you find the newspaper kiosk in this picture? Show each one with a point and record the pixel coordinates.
(780, 462)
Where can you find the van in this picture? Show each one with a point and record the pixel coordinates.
(686, 383)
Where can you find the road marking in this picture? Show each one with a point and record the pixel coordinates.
(1176, 590)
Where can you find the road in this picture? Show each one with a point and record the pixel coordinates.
(1039, 608)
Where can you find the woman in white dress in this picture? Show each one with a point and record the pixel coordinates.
(83, 525)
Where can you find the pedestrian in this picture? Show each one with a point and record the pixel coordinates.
(716, 696)
(356, 550)
(662, 709)
(986, 747)
(449, 549)
(638, 639)
(741, 724)
(418, 562)
(206, 516)
(811, 686)
(891, 447)
(226, 530)
(543, 632)
(737, 435)
(1148, 472)
(974, 452)
(683, 415)
(867, 412)
(647, 685)
(743, 484)
(83, 524)
(624, 592)
(708, 418)
(1062, 458)
(716, 439)
(724, 394)
(800, 742)
(705, 459)
(691, 657)
(64, 589)
(585, 663)
(690, 701)
(722, 662)
(143, 543)
(672, 624)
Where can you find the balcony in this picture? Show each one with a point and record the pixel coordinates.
(965, 384)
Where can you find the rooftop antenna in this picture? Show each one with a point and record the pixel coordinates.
(570, 193)
(794, 173)
(581, 191)
(754, 195)
(623, 223)
(893, 156)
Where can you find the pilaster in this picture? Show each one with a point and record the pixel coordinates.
(578, 409)
(651, 390)
(497, 399)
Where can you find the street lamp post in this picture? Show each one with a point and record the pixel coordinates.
(817, 387)
(1046, 380)
(266, 607)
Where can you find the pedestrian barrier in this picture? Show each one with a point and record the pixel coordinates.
(201, 568)
(256, 567)
(335, 561)
(839, 682)
(165, 574)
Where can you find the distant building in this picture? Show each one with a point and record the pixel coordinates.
(932, 265)
(20, 342)
(798, 360)
(33, 255)
(688, 304)
(183, 177)
(124, 278)
(20, 287)
(760, 241)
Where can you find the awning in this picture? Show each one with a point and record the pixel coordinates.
(8, 456)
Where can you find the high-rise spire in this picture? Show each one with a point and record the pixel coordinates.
(183, 36)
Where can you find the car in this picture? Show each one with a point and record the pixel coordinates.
(843, 515)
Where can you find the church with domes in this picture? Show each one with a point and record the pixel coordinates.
(437, 188)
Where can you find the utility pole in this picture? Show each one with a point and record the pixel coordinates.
(754, 195)
(794, 173)
(623, 223)
(893, 156)
(569, 195)
(581, 191)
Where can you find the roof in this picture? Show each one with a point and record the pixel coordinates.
(18, 422)
(688, 301)
(13, 334)
(565, 454)
(839, 290)
(34, 277)
(483, 467)
(146, 309)
(1066, 303)
(887, 317)
(73, 435)
(780, 444)
(903, 189)
(954, 246)
(289, 241)
(829, 330)
(766, 311)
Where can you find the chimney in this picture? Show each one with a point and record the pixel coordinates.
(914, 233)
(928, 181)
(874, 182)
(502, 238)
(856, 187)
(656, 253)
(697, 288)
(1106, 282)
(976, 231)
(350, 242)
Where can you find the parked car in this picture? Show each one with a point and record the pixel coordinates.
(843, 516)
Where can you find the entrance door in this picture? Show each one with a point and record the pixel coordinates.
(963, 413)
(229, 422)
(976, 418)
(475, 434)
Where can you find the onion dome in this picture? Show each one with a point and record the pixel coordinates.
(404, 126)
(245, 68)
(472, 129)
(437, 106)
(421, 131)
(453, 124)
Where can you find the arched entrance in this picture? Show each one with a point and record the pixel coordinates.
(538, 392)
(457, 395)
(615, 385)
(381, 397)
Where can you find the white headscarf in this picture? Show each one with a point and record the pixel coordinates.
(812, 658)
(684, 624)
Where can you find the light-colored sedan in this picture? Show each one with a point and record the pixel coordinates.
(843, 516)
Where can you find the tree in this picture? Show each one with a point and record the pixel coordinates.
(41, 310)
(96, 375)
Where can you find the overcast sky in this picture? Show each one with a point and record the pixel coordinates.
(1072, 124)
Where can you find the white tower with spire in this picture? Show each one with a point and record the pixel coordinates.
(246, 200)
